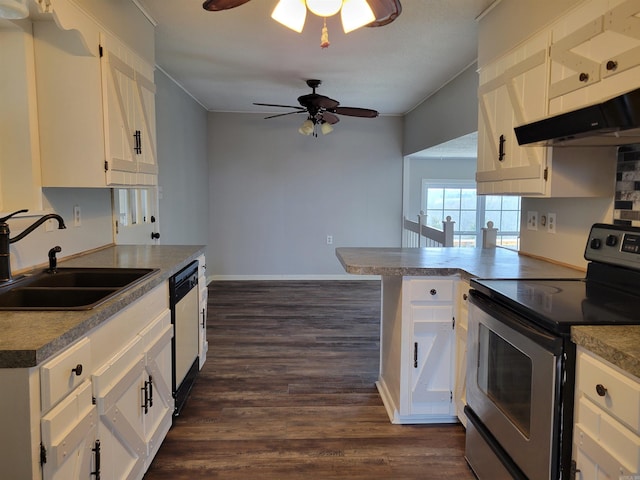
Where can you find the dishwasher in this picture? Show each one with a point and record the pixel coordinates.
(185, 318)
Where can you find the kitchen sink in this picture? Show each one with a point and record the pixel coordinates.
(70, 288)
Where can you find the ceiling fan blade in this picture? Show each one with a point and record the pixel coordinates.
(283, 114)
(330, 118)
(354, 112)
(217, 5)
(386, 11)
(277, 105)
(317, 101)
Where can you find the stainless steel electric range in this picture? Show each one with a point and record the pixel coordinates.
(521, 367)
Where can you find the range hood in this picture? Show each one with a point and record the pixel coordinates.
(613, 122)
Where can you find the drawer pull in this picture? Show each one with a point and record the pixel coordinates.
(612, 65)
(465, 296)
(584, 77)
(601, 390)
(77, 370)
(433, 291)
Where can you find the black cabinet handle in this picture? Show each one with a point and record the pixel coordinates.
(150, 391)
(501, 141)
(204, 318)
(433, 291)
(584, 77)
(465, 296)
(612, 65)
(145, 391)
(601, 390)
(77, 370)
(415, 355)
(138, 142)
(155, 235)
(96, 450)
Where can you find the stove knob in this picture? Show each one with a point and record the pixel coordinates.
(611, 240)
(595, 243)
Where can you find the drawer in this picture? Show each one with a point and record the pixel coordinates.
(605, 440)
(429, 290)
(622, 396)
(63, 373)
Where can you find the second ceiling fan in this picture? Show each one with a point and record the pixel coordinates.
(320, 110)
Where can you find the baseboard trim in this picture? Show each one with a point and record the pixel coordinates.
(292, 277)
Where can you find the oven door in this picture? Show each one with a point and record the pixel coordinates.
(512, 387)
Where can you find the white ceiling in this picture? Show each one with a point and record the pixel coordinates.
(227, 60)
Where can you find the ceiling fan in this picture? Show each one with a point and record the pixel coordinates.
(385, 11)
(320, 110)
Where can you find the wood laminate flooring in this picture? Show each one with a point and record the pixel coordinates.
(288, 392)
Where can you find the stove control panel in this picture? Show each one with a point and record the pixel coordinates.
(614, 244)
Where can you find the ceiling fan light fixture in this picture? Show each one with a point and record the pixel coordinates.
(291, 14)
(306, 128)
(326, 128)
(324, 8)
(355, 14)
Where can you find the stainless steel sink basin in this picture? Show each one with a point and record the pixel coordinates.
(70, 288)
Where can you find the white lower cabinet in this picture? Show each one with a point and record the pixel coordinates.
(417, 350)
(606, 434)
(461, 328)
(98, 409)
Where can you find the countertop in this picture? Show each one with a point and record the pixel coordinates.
(619, 344)
(30, 337)
(442, 261)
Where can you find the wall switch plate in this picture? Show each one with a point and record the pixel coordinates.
(77, 219)
(532, 220)
(551, 222)
(329, 239)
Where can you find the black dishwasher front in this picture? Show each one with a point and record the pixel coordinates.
(183, 293)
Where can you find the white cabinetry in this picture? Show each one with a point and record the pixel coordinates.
(417, 357)
(595, 54)
(512, 92)
(606, 434)
(103, 405)
(96, 108)
(461, 328)
(203, 344)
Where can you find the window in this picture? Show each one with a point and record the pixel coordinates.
(471, 212)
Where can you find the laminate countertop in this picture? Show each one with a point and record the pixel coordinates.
(619, 345)
(30, 337)
(436, 261)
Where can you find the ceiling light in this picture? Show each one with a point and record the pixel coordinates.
(326, 128)
(291, 14)
(324, 8)
(307, 127)
(13, 9)
(355, 14)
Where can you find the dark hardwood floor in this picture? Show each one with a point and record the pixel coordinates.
(288, 392)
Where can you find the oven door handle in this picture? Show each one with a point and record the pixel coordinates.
(546, 340)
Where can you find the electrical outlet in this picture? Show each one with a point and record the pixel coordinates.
(532, 220)
(329, 239)
(551, 222)
(77, 219)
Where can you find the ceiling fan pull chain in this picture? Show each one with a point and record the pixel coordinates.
(324, 38)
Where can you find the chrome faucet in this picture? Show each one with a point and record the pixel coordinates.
(5, 261)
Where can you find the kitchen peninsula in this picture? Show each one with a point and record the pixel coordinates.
(424, 320)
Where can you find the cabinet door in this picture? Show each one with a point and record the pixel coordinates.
(118, 388)
(595, 54)
(432, 360)
(462, 314)
(512, 92)
(158, 403)
(69, 436)
(145, 130)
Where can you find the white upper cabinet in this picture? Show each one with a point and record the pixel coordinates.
(96, 108)
(512, 92)
(595, 54)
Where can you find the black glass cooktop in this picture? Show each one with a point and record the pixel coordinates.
(557, 304)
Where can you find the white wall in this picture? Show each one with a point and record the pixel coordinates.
(449, 113)
(183, 178)
(276, 194)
